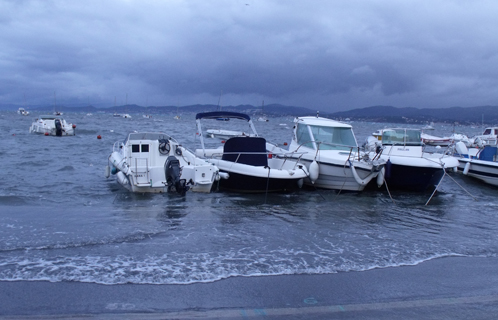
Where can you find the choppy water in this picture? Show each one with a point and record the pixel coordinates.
(62, 220)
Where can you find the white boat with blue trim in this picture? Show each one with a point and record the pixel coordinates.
(479, 163)
(246, 161)
(408, 166)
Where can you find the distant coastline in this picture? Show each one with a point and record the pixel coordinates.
(385, 114)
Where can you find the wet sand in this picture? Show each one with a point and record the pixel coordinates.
(445, 288)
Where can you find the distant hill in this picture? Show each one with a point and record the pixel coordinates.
(270, 110)
(470, 115)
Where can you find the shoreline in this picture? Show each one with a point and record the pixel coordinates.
(463, 287)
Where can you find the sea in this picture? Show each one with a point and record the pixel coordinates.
(61, 219)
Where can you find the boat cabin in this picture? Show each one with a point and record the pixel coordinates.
(325, 134)
(402, 136)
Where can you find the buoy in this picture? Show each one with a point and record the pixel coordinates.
(314, 171)
(466, 168)
(46, 133)
(74, 126)
(285, 143)
(99, 137)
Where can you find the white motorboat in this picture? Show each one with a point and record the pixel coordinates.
(23, 112)
(51, 125)
(435, 141)
(407, 165)
(248, 166)
(331, 153)
(480, 163)
(155, 162)
(488, 138)
(126, 115)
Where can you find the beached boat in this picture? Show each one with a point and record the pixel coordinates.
(331, 153)
(408, 166)
(480, 163)
(51, 125)
(155, 162)
(247, 163)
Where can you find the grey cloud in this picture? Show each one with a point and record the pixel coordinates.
(326, 54)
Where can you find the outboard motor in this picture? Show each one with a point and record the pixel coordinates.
(173, 173)
(58, 127)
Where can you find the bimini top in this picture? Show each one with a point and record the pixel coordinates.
(222, 114)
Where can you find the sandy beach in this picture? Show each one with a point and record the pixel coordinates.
(446, 288)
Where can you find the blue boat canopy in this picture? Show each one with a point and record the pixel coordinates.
(222, 114)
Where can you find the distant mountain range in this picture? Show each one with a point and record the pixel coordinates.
(469, 115)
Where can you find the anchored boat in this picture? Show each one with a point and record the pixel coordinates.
(480, 163)
(331, 153)
(51, 125)
(155, 162)
(248, 166)
(408, 166)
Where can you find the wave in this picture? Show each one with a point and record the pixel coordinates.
(182, 269)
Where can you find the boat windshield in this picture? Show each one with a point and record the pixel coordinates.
(406, 137)
(327, 138)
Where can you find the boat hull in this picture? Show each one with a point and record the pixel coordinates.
(486, 171)
(412, 178)
(340, 176)
(250, 184)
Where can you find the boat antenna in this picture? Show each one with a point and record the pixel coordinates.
(219, 101)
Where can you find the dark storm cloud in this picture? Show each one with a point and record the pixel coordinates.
(320, 54)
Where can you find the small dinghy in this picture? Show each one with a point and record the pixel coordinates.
(155, 162)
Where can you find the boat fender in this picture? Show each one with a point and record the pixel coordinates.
(455, 169)
(388, 169)
(380, 177)
(300, 183)
(466, 168)
(107, 171)
(122, 178)
(114, 170)
(223, 175)
(314, 171)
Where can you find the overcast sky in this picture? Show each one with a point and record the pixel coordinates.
(329, 55)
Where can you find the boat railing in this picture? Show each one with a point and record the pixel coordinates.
(352, 150)
(117, 146)
(284, 156)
